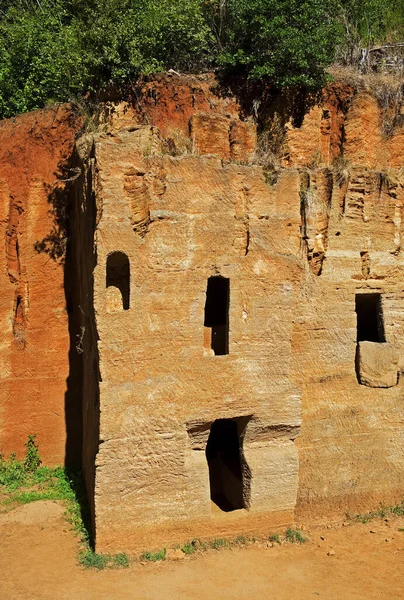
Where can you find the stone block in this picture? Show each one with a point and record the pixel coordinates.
(377, 364)
(210, 134)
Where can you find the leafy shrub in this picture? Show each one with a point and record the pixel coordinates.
(56, 50)
(12, 472)
(42, 58)
(289, 42)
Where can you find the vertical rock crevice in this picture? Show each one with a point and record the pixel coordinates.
(315, 195)
(78, 197)
(84, 217)
(137, 192)
(12, 245)
(13, 261)
(242, 241)
(19, 322)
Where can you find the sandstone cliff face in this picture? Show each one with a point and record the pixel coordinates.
(34, 342)
(162, 386)
(301, 373)
(350, 445)
(182, 198)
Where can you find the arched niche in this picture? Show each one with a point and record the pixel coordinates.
(118, 279)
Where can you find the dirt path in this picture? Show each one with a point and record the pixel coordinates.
(38, 562)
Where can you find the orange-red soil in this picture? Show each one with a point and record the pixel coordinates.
(38, 562)
(34, 349)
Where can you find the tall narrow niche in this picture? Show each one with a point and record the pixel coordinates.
(118, 282)
(217, 316)
(229, 473)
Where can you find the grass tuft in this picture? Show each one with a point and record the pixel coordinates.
(381, 513)
(121, 560)
(190, 547)
(153, 556)
(240, 540)
(219, 543)
(22, 482)
(92, 560)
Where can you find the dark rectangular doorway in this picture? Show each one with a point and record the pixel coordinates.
(229, 474)
(217, 313)
(370, 325)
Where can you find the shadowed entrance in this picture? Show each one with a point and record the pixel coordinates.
(229, 474)
(217, 313)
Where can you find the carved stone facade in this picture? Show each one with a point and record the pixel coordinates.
(240, 332)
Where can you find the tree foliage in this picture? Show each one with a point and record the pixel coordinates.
(41, 56)
(373, 21)
(290, 42)
(59, 49)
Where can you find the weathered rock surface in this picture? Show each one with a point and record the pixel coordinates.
(160, 391)
(170, 195)
(34, 337)
(377, 364)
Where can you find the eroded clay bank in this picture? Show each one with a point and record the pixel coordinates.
(214, 329)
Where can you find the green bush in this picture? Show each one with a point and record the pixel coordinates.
(369, 22)
(288, 42)
(57, 50)
(12, 473)
(32, 459)
(41, 54)
(122, 38)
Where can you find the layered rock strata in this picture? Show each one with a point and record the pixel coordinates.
(166, 226)
(238, 317)
(34, 338)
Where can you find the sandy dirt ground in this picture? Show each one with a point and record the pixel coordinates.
(361, 561)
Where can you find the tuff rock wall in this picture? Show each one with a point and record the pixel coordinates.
(303, 216)
(185, 193)
(34, 332)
